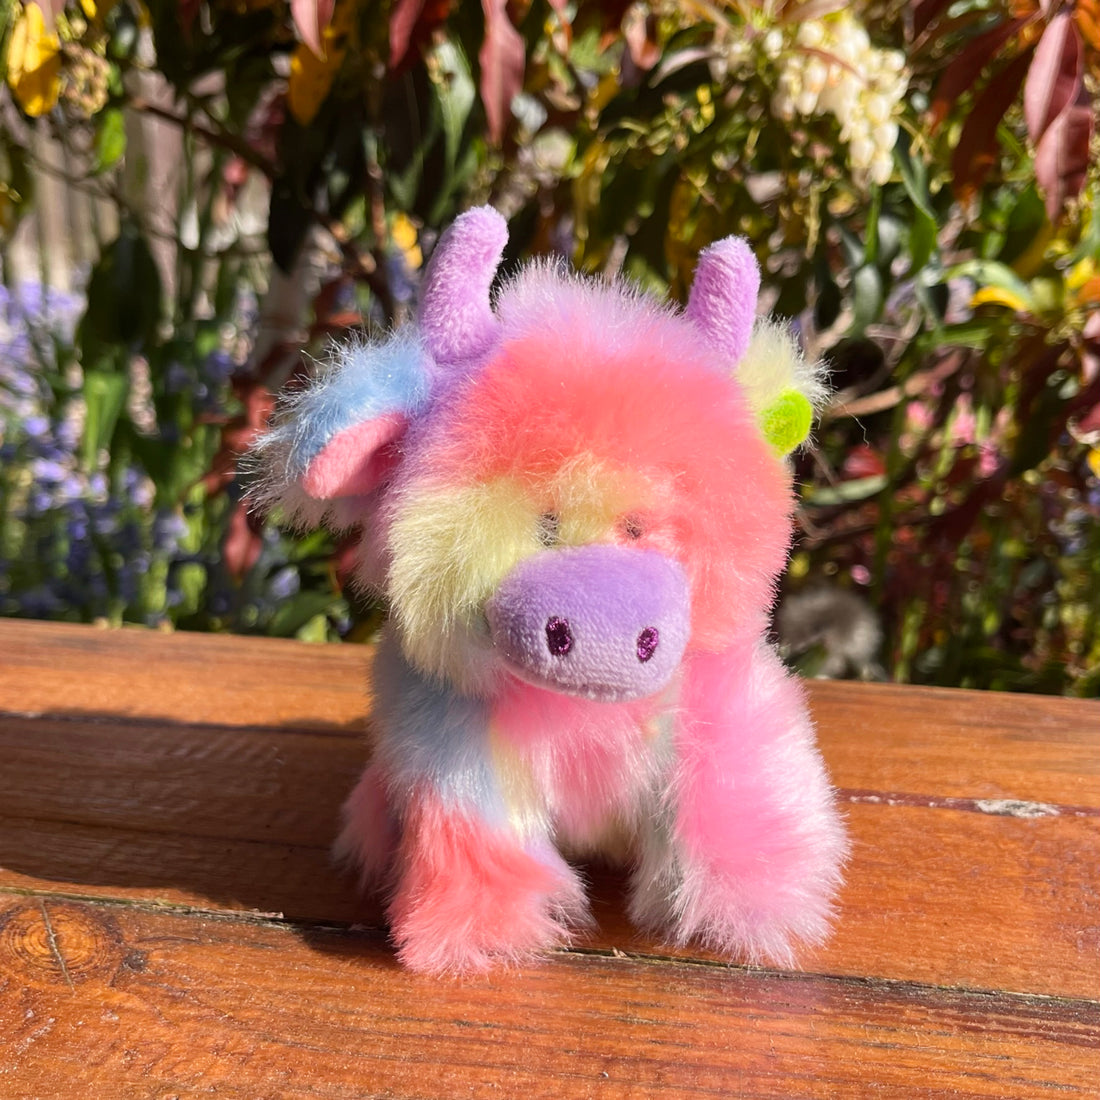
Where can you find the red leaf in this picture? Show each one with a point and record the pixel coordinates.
(311, 17)
(188, 10)
(1090, 422)
(640, 33)
(976, 151)
(402, 24)
(968, 66)
(501, 58)
(801, 11)
(411, 24)
(1062, 155)
(925, 12)
(243, 541)
(1054, 78)
(864, 461)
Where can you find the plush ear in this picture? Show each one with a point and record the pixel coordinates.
(722, 303)
(782, 389)
(356, 460)
(456, 317)
(339, 438)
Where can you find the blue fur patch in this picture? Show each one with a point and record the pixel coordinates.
(365, 380)
(430, 733)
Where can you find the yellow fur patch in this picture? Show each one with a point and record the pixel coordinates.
(590, 499)
(523, 797)
(453, 547)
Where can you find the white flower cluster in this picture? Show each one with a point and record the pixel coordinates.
(833, 69)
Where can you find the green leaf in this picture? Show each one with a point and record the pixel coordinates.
(923, 231)
(110, 139)
(316, 630)
(104, 397)
(870, 243)
(889, 241)
(295, 613)
(867, 296)
(992, 273)
(124, 297)
(860, 488)
(922, 240)
(457, 94)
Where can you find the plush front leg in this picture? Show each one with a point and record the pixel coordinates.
(471, 879)
(744, 854)
(368, 840)
(470, 893)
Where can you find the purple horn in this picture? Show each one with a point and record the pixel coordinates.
(722, 303)
(456, 318)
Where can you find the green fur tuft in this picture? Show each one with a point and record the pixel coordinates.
(786, 421)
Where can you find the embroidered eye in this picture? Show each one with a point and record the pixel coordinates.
(549, 529)
(632, 526)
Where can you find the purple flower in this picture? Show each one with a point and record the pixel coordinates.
(284, 583)
(177, 378)
(36, 426)
(219, 366)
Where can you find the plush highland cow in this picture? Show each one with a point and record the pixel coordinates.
(576, 502)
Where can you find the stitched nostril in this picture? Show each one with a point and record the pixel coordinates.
(559, 636)
(647, 643)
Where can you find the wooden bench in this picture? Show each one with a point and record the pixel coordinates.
(170, 925)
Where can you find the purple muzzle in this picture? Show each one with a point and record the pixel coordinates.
(605, 622)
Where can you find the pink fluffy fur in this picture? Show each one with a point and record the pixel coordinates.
(591, 761)
(755, 837)
(471, 894)
(659, 403)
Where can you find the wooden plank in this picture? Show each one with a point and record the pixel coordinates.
(942, 888)
(62, 669)
(214, 874)
(264, 785)
(947, 743)
(877, 738)
(939, 896)
(125, 1002)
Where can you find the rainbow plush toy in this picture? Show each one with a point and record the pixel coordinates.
(576, 503)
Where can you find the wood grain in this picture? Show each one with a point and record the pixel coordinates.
(52, 668)
(954, 898)
(876, 737)
(122, 1002)
(158, 792)
(241, 819)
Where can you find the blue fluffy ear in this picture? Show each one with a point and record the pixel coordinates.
(336, 438)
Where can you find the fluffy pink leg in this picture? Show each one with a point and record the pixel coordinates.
(747, 854)
(368, 838)
(469, 894)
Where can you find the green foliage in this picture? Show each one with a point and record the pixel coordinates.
(917, 185)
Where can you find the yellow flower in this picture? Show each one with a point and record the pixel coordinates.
(34, 62)
(311, 76)
(92, 8)
(405, 237)
(1000, 296)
